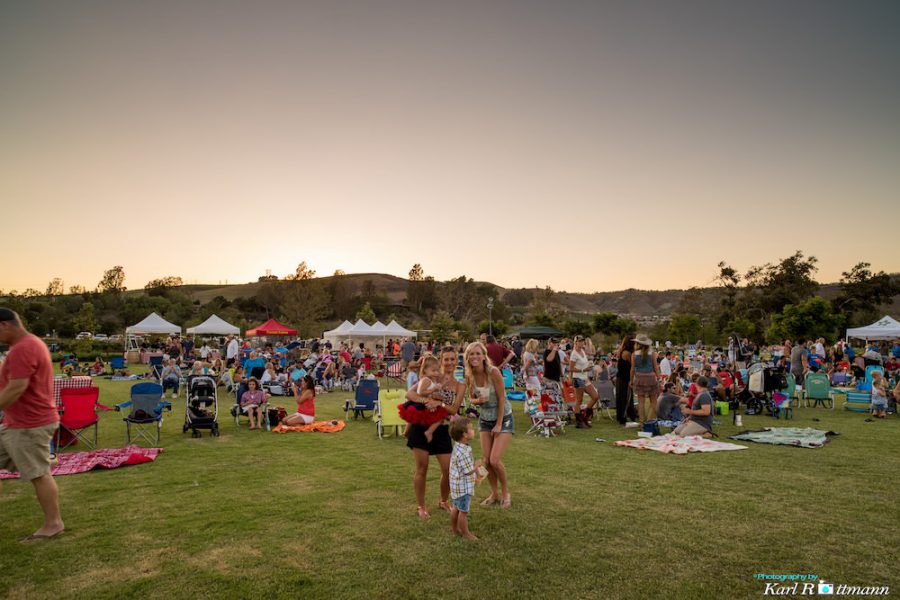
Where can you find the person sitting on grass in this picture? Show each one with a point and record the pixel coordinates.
(698, 419)
(97, 367)
(668, 406)
(252, 401)
(306, 402)
(462, 476)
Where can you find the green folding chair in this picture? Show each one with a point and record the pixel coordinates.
(817, 389)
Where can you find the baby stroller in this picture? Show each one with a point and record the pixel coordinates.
(765, 379)
(202, 407)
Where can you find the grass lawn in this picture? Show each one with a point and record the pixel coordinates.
(254, 514)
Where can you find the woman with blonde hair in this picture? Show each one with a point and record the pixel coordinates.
(486, 390)
(580, 376)
(530, 367)
(645, 376)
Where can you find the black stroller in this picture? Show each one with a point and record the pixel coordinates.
(765, 379)
(202, 407)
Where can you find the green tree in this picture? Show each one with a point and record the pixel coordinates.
(113, 280)
(340, 296)
(366, 313)
(56, 287)
(811, 319)
(443, 328)
(498, 327)
(85, 319)
(305, 305)
(863, 293)
(159, 286)
(302, 273)
(685, 328)
(421, 290)
(606, 323)
(518, 297)
(578, 327)
(743, 328)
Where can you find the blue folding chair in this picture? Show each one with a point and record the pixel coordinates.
(366, 399)
(156, 366)
(508, 381)
(117, 363)
(871, 369)
(146, 413)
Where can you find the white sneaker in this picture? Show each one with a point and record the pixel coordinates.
(632, 425)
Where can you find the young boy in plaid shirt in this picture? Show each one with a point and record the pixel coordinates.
(462, 476)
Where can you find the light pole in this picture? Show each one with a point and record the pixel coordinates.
(490, 307)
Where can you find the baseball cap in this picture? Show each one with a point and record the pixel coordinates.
(7, 314)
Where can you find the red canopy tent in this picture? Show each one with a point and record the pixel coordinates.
(271, 327)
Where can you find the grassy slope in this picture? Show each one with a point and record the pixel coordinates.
(254, 514)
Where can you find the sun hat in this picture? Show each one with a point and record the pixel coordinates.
(643, 340)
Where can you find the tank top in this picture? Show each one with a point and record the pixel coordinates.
(488, 410)
(643, 363)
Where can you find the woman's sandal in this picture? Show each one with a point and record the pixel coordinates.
(444, 505)
(506, 503)
(489, 501)
(423, 514)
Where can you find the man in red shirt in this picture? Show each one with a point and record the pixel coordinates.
(498, 354)
(29, 417)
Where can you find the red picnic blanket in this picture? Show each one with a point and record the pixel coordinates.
(108, 458)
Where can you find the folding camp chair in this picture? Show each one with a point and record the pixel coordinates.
(818, 389)
(366, 399)
(858, 402)
(117, 363)
(146, 413)
(508, 379)
(388, 414)
(872, 368)
(77, 415)
(607, 392)
(156, 366)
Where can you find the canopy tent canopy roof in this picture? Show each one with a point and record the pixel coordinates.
(361, 329)
(394, 329)
(152, 323)
(540, 332)
(340, 330)
(271, 327)
(214, 325)
(885, 328)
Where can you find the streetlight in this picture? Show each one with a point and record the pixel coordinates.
(490, 307)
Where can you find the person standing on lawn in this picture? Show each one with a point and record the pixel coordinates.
(30, 417)
(440, 446)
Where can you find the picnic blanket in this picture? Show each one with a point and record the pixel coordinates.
(323, 426)
(786, 436)
(675, 444)
(108, 458)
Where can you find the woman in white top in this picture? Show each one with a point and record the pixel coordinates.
(530, 366)
(580, 368)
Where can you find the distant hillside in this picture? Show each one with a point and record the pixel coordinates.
(639, 303)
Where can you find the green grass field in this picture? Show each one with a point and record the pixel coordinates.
(258, 515)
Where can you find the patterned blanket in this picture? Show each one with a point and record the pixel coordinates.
(675, 444)
(323, 426)
(108, 458)
(787, 436)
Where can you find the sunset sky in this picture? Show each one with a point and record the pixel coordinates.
(588, 146)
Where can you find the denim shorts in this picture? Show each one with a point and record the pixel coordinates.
(463, 503)
(506, 426)
(880, 404)
(578, 383)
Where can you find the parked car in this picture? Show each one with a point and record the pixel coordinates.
(117, 338)
(101, 337)
(84, 335)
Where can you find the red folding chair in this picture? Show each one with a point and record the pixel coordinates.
(78, 414)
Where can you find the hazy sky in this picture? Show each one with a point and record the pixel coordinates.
(583, 145)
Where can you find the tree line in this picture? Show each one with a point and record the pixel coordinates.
(767, 303)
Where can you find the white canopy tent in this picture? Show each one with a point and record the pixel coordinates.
(885, 328)
(214, 325)
(153, 323)
(394, 329)
(338, 334)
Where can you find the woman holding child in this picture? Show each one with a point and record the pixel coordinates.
(449, 397)
(486, 390)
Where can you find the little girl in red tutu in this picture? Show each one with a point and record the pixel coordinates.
(415, 413)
